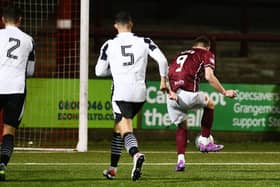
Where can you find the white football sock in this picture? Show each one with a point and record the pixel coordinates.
(204, 140)
(181, 157)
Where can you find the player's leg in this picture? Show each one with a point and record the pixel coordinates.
(2, 166)
(207, 119)
(128, 111)
(131, 145)
(181, 143)
(7, 144)
(206, 126)
(123, 133)
(116, 150)
(7, 148)
(177, 113)
(116, 144)
(12, 115)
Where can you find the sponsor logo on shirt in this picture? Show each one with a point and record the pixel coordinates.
(179, 82)
(212, 60)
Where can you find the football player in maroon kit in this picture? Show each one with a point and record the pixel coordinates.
(185, 73)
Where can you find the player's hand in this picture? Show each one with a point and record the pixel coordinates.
(164, 87)
(172, 95)
(230, 93)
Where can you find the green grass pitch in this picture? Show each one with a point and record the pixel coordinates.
(247, 164)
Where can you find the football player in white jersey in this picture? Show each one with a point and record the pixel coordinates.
(17, 61)
(125, 58)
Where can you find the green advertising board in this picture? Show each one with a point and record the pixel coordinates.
(256, 108)
(54, 103)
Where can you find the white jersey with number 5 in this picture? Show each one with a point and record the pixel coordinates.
(125, 57)
(16, 50)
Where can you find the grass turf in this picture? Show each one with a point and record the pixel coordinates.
(251, 164)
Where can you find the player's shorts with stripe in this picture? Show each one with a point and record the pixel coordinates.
(125, 109)
(186, 101)
(12, 106)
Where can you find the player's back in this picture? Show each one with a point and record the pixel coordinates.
(128, 56)
(15, 47)
(186, 69)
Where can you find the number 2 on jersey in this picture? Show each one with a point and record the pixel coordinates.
(14, 47)
(181, 60)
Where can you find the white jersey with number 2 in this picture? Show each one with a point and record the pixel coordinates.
(16, 49)
(125, 57)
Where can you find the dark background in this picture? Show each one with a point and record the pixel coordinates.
(245, 34)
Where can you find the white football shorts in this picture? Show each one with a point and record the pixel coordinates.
(186, 101)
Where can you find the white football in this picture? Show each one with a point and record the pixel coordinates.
(198, 140)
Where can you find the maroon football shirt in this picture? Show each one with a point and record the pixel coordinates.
(187, 68)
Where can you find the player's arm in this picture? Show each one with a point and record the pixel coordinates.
(156, 54)
(30, 68)
(159, 57)
(213, 81)
(102, 68)
(170, 94)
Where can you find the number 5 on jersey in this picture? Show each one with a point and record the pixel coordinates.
(126, 54)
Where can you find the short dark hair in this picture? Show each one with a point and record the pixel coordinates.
(123, 17)
(204, 40)
(12, 13)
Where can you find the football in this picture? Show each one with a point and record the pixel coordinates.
(198, 140)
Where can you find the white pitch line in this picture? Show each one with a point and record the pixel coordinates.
(153, 164)
(152, 152)
(197, 152)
